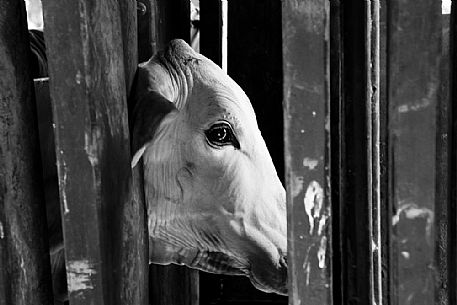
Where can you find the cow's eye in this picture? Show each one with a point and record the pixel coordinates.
(221, 134)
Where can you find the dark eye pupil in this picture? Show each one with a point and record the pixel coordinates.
(221, 134)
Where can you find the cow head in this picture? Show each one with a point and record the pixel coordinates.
(214, 200)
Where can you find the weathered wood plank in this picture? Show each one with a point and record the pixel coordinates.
(211, 30)
(306, 125)
(101, 217)
(446, 163)
(413, 92)
(24, 258)
(452, 166)
(133, 260)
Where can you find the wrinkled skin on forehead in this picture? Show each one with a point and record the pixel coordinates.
(214, 206)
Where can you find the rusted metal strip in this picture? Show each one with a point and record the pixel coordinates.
(25, 276)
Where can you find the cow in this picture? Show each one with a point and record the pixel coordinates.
(214, 200)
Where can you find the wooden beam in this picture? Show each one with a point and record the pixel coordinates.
(133, 259)
(414, 35)
(25, 276)
(103, 220)
(307, 154)
(451, 208)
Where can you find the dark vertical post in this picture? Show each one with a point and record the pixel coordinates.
(211, 30)
(133, 259)
(355, 127)
(24, 258)
(90, 68)
(306, 105)
(173, 21)
(148, 21)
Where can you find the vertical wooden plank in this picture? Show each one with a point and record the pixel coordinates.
(449, 214)
(414, 70)
(133, 259)
(88, 89)
(129, 21)
(306, 84)
(211, 30)
(24, 258)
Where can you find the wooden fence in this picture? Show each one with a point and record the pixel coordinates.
(330, 82)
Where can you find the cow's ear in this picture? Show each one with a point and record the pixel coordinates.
(152, 114)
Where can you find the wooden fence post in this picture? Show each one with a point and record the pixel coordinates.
(91, 68)
(134, 257)
(24, 257)
(307, 149)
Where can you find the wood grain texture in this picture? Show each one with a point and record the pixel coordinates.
(414, 92)
(451, 229)
(103, 220)
(134, 258)
(24, 259)
(306, 127)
